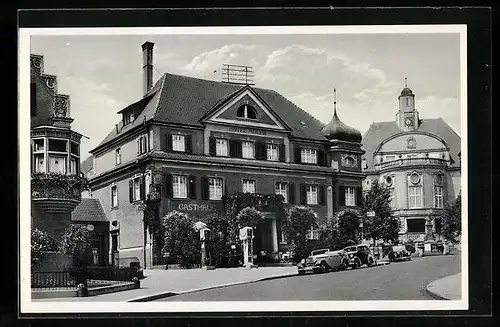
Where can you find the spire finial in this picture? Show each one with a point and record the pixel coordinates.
(406, 82)
(334, 101)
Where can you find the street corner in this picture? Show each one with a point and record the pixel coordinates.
(447, 288)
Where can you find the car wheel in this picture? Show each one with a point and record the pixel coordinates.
(344, 265)
(370, 261)
(357, 263)
(324, 267)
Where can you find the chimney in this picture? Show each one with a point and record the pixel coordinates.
(147, 66)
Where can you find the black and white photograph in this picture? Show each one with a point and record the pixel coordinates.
(193, 169)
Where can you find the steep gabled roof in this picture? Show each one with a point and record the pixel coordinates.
(88, 210)
(378, 132)
(185, 100)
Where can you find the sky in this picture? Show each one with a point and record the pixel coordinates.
(103, 73)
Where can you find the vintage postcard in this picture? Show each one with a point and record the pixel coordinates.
(243, 169)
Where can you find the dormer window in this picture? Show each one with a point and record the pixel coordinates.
(247, 111)
(128, 117)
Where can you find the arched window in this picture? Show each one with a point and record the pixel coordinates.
(247, 111)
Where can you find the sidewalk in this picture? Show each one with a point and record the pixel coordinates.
(448, 288)
(162, 283)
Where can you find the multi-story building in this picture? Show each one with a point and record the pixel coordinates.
(197, 140)
(419, 160)
(55, 154)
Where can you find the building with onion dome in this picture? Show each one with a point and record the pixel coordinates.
(419, 160)
(196, 140)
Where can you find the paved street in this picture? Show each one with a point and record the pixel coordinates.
(397, 281)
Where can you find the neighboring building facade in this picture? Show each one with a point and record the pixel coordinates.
(419, 160)
(197, 140)
(55, 154)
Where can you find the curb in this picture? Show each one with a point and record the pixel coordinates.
(433, 295)
(162, 295)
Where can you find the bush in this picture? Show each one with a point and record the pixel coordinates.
(41, 243)
(76, 242)
(249, 216)
(181, 240)
(218, 244)
(348, 225)
(299, 222)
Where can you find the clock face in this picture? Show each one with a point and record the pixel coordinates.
(409, 122)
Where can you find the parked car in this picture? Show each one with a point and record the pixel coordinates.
(358, 255)
(399, 253)
(322, 260)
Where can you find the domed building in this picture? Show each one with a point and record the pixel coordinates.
(419, 160)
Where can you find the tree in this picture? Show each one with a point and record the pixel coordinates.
(217, 245)
(41, 243)
(383, 225)
(250, 217)
(328, 236)
(299, 221)
(348, 225)
(451, 219)
(181, 241)
(76, 242)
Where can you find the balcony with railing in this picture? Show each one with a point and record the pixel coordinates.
(57, 193)
(406, 162)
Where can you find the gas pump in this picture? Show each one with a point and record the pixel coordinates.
(246, 236)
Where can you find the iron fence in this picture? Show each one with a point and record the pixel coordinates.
(57, 279)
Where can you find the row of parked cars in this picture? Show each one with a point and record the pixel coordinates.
(355, 256)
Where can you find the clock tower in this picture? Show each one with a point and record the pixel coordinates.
(407, 117)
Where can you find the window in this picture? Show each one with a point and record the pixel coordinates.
(178, 143)
(114, 196)
(137, 189)
(75, 148)
(58, 145)
(248, 150)
(57, 164)
(308, 156)
(215, 188)
(221, 147)
(73, 166)
(248, 186)
(39, 163)
(142, 144)
(312, 194)
(438, 196)
(118, 156)
(282, 189)
(415, 191)
(179, 184)
(128, 117)
(247, 111)
(407, 102)
(350, 197)
(438, 191)
(313, 234)
(39, 145)
(415, 225)
(272, 152)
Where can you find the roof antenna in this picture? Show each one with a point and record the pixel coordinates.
(406, 82)
(334, 101)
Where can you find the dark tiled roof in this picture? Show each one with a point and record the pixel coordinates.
(382, 130)
(185, 100)
(88, 210)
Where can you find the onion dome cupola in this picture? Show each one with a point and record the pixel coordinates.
(337, 130)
